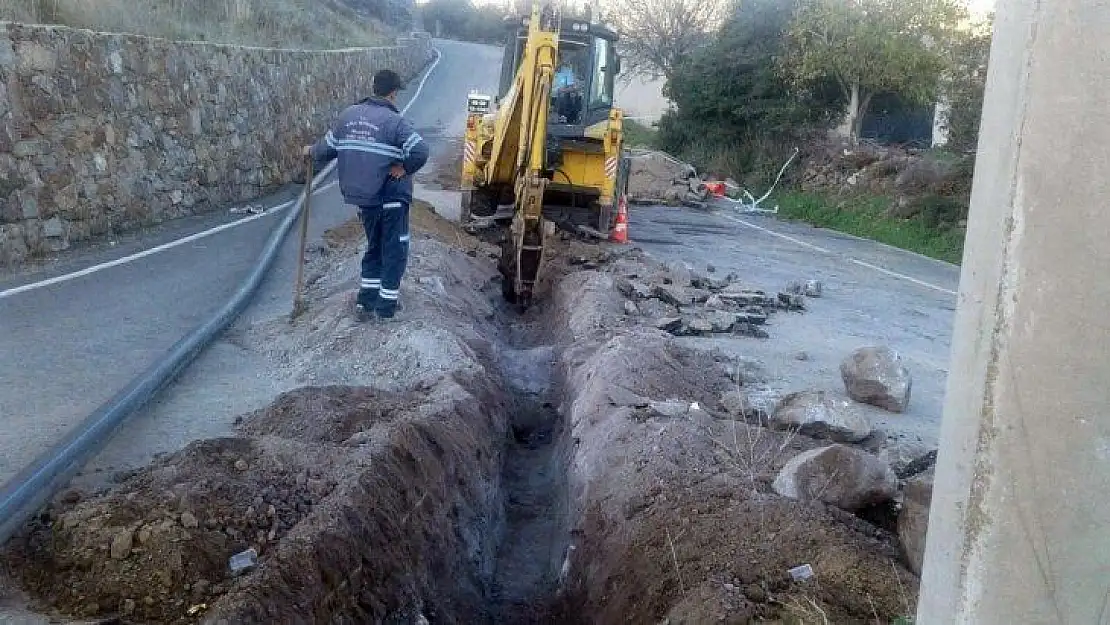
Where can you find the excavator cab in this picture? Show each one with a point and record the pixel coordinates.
(547, 149)
(585, 79)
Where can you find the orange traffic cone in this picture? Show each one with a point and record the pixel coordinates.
(620, 230)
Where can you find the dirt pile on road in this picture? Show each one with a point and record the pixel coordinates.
(658, 177)
(465, 464)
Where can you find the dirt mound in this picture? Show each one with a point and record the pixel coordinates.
(387, 525)
(657, 177)
(681, 501)
(411, 529)
(331, 414)
(934, 186)
(449, 299)
(160, 543)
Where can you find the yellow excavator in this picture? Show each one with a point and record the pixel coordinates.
(548, 149)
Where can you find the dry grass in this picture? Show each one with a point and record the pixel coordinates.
(317, 24)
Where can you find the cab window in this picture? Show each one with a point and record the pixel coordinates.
(603, 79)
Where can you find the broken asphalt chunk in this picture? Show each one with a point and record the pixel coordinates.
(722, 321)
(822, 415)
(632, 288)
(746, 297)
(673, 295)
(792, 301)
(749, 330)
(668, 324)
(243, 561)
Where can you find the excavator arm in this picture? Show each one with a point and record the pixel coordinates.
(518, 152)
(523, 253)
(513, 157)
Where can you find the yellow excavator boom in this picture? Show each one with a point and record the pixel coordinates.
(511, 155)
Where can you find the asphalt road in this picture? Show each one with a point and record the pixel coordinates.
(69, 346)
(872, 295)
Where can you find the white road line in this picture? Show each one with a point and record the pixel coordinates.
(199, 235)
(420, 87)
(902, 276)
(882, 270)
(777, 234)
(154, 250)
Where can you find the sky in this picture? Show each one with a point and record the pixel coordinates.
(981, 6)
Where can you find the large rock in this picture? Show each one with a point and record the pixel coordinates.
(913, 521)
(817, 414)
(876, 376)
(838, 475)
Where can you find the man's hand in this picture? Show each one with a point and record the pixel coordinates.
(397, 171)
(307, 151)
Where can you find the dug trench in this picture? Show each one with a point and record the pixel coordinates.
(468, 464)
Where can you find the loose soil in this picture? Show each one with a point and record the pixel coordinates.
(466, 464)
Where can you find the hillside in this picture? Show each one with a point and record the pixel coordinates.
(271, 23)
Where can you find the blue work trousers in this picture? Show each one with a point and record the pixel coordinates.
(387, 254)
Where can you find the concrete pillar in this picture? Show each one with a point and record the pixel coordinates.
(1020, 518)
(941, 113)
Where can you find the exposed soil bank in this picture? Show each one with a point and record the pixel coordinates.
(466, 465)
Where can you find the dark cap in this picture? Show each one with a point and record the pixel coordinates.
(386, 82)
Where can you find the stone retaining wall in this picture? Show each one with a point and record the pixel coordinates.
(103, 133)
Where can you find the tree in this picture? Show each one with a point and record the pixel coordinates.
(965, 84)
(461, 19)
(873, 46)
(655, 35)
(734, 85)
(731, 103)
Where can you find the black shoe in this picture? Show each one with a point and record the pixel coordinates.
(368, 298)
(387, 309)
(363, 314)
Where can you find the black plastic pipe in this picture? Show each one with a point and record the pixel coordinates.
(22, 496)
